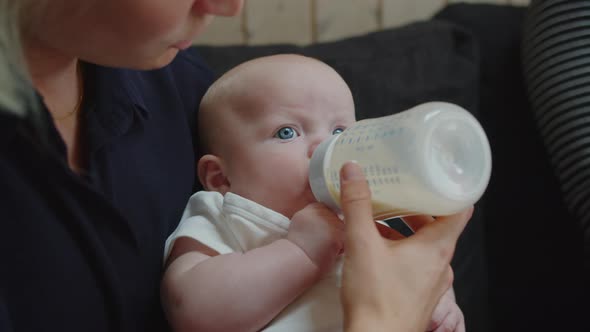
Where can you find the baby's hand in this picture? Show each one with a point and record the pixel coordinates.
(447, 317)
(319, 232)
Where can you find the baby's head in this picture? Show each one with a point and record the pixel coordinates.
(260, 123)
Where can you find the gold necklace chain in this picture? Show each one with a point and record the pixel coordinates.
(80, 93)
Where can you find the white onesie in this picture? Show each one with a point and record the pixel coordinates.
(232, 223)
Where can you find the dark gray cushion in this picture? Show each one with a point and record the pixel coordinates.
(387, 71)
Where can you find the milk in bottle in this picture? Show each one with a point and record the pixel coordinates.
(433, 159)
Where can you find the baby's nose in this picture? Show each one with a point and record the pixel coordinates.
(315, 142)
(312, 148)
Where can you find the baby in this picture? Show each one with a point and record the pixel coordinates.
(255, 251)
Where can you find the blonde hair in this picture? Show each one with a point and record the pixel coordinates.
(16, 92)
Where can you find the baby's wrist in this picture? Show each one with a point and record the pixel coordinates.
(304, 258)
(363, 321)
(360, 323)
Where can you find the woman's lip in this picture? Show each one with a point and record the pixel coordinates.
(183, 45)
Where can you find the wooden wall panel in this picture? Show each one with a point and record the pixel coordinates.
(307, 21)
(396, 12)
(335, 19)
(278, 21)
(502, 2)
(520, 2)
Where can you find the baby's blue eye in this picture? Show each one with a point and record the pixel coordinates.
(337, 131)
(286, 133)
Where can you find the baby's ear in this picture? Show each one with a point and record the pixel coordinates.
(212, 175)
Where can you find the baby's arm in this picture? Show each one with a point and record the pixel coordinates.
(244, 291)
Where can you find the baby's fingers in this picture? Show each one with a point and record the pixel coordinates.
(453, 322)
(388, 232)
(417, 221)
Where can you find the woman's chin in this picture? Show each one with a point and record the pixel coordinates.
(156, 62)
(165, 58)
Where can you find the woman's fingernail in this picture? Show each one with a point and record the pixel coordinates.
(351, 170)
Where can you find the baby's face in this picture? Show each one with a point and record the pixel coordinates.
(275, 133)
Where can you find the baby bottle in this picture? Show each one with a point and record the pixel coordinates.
(433, 159)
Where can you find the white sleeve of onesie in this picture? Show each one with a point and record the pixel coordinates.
(201, 220)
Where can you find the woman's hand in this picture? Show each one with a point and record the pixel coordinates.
(392, 285)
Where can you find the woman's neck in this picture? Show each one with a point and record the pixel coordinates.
(55, 76)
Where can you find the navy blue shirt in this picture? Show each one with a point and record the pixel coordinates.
(84, 252)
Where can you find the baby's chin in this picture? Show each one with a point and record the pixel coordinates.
(290, 203)
(290, 211)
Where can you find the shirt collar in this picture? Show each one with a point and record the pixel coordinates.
(112, 104)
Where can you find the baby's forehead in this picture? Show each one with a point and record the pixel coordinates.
(283, 81)
(253, 95)
(281, 71)
(288, 85)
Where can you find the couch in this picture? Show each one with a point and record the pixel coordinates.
(518, 264)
